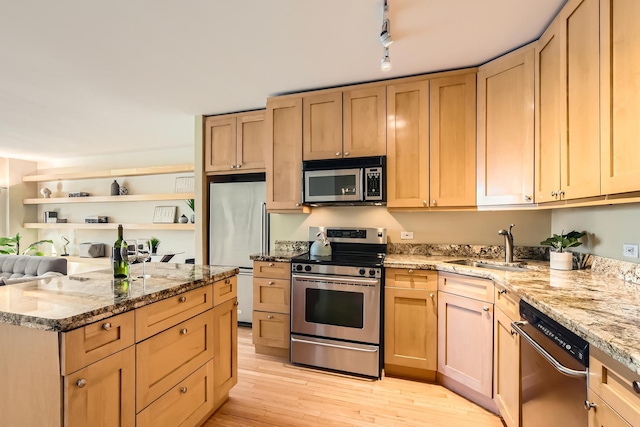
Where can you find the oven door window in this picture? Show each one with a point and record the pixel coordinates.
(333, 185)
(338, 308)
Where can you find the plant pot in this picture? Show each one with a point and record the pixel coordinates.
(561, 260)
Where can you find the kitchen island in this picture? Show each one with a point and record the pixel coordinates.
(79, 350)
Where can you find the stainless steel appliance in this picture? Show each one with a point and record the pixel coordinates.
(238, 227)
(354, 181)
(336, 300)
(554, 370)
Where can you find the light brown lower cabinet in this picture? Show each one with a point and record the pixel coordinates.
(506, 369)
(225, 350)
(103, 393)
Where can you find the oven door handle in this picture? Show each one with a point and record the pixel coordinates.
(544, 353)
(333, 279)
(342, 347)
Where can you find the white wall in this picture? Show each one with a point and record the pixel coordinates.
(130, 212)
(428, 227)
(608, 227)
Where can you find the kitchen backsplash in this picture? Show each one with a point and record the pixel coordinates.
(291, 246)
(468, 251)
(627, 271)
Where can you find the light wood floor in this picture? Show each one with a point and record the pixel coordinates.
(270, 392)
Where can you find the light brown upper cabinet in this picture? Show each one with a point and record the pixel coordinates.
(345, 124)
(284, 154)
(365, 128)
(408, 145)
(235, 143)
(620, 86)
(506, 129)
(452, 142)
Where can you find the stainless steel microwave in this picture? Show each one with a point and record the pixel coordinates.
(355, 181)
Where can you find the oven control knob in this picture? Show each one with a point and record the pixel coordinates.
(372, 272)
(361, 271)
(307, 268)
(299, 267)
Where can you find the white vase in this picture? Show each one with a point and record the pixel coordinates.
(561, 260)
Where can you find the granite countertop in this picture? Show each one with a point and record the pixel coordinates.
(277, 255)
(63, 303)
(602, 309)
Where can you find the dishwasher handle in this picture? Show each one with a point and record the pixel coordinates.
(544, 353)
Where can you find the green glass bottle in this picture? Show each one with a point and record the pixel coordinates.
(119, 257)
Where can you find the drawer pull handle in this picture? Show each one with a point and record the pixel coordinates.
(636, 386)
(270, 317)
(81, 382)
(588, 405)
(410, 271)
(106, 326)
(183, 390)
(270, 264)
(182, 299)
(485, 308)
(502, 291)
(270, 283)
(513, 332)
(184, 331)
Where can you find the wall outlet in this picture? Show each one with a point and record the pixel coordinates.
(630, 250)
(408, 235)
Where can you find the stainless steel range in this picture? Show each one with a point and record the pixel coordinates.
(336, 302)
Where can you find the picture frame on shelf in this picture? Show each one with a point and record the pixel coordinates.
(185, 184)
(164, 215)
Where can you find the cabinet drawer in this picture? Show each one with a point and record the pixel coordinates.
(225, 290)
(411, 278)
(271, 295)
(508, 302)
(185, 404)
(164, 360)
(157, 317)
(271, 329)
(93, 342)
(614, 383)
(465, 286)
(275, 270)
(603, 416)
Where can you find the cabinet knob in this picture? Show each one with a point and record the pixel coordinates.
(588, 405)
(270, 264)
(182, 299)
(233, 166)
(106, 326)
(238, 166)
(184, 331)
(236, 303)
(270, 283)
(269, 316)
(502, 291)
(434, 202)
(513, 332)
(183, 390)
(297, 205)
(554, 193)
(337, 153)
(424, 203)
(81, 382)
(410, 271)
(431, 295)
(227, 281)
(346, 153)
(527, 198)
(560, 193)
(485, 308)
(636, 386)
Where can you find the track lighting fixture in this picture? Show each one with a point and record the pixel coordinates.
(385, 64)
(385, 35)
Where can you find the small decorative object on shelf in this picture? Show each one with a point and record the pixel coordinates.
(192, 205)
(123, 190)
(64, 246)
(115, 188)
(183, 219)
(164, 215)
(559, 259)
(155, 242)
(79, 194)
(96, 219)
(46, 193)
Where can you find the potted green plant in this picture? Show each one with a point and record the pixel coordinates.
(192, 205)
(154, 241)
(559, 259)
(11, 246)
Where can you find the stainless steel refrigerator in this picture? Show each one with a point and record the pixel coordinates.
(239, 227)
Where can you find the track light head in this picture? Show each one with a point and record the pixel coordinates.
(385, 34)
(385, 64)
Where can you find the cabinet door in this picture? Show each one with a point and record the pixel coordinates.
(225, 350)
(506, 369)
(365, 122)
(251, 142)
(549, 113)
(271, 295)
(580, 127)
(452, 145)
(620, 85)
(505, 129)
(408, 145)
(284, 154)
(465, 341)
(103, 393)
(219, 144)
(322, 126)
(271, 329)
(410, 328)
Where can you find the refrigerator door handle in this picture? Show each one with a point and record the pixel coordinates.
(264, 243)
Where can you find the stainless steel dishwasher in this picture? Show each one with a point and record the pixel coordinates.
(553, 370)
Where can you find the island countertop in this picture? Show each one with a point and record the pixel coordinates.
(63, 303)
(602, 309)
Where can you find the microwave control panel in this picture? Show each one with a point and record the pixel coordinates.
(373, 184)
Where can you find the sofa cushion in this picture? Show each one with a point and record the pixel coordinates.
(16, 266)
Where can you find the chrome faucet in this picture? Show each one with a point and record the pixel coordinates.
(508, 243)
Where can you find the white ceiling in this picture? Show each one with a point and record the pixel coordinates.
(88, 77)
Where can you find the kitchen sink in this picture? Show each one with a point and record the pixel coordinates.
(491, 265)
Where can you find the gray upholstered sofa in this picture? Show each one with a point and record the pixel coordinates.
(20, 268)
